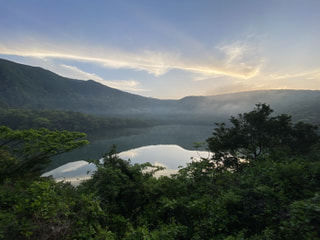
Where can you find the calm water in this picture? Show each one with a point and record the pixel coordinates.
(172, 157)
(170, 146)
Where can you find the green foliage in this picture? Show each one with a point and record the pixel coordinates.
(27, 152)
(121, 187)
(44, 209)
(257, 135)
(66, 120)
(170, 231)
(303, 220)
(263, 188)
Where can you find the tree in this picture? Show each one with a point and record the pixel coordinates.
(258, 134)
(27, 152)
(121, 187)
(45, 209)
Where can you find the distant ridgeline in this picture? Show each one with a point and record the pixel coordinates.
(26, 87)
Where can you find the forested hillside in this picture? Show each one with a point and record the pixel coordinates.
(68, 120)
(39, 89)
(24, 86)
(261, 181)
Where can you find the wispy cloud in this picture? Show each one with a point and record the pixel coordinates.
(126, 85)
(74, 72)
(311, 75)
(231, 61)
(156, 63)
(241, 58)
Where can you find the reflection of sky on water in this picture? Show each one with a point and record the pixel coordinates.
(168, 156)
(73, 172)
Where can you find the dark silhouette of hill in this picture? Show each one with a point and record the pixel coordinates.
(29, 87)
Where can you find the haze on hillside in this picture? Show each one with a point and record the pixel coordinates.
(23, 86)
(169, 49)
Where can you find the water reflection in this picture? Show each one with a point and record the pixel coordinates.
(169, 156)
(73, 172)
(181, 135)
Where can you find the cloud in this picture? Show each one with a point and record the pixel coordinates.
(126, 85)
(74, 72)
(156, 63)
(241, 58)
(230, 60)
(310, 75)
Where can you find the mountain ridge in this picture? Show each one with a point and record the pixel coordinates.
(29, 87)
(24, 86)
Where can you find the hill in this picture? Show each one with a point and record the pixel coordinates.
(35, 88)
(303, 105)
(29, 87)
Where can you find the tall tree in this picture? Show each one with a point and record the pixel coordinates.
(27, 152)
(258, 134)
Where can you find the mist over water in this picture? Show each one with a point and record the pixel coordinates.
(196, 124)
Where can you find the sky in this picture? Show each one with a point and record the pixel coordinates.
(168, 49)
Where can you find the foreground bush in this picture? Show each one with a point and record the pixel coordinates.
(260, 183)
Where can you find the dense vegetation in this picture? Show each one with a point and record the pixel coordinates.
(262, 181)
(67, 120)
